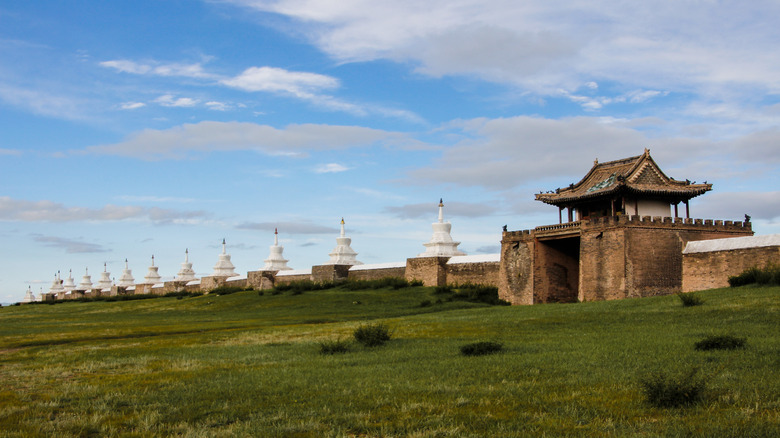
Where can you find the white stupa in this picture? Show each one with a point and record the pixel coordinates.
(86, 281)
(56, 285)
(343, 254)
(152, 276)
(69, 284)
(275, 260)
(224, 267)
(29, 296)
(186, 273)
(126, 280)
(441, 244)
(105, 279)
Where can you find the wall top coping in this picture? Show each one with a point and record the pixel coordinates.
(477, 258)
(732, 243)
(158, 285)
(378, 266)
(294, 272)
(130, 288)
(236, 278)
(193, 283)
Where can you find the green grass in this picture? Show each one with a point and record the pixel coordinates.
(249, 365)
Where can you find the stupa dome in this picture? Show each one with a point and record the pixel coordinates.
(224, 267)
(86, 281)
(441, 243)
(185, 273)
(126, 280)
(343, 254)
(69, 284)
(29, 297)
(275, 260)
(56, 285)
(152, 276)
(105, 279)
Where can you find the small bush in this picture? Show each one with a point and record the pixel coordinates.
(333, 347)
(372, 335)
(689, 300)
(720, 342)
(260, 293)
(301, 286)
(663, 391)
(227, 290)
(425, 303)
(481, 348)
(769, 275)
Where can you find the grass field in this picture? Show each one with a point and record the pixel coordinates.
(250, 365)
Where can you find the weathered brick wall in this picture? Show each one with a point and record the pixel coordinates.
(484, 273)
(281, 279)
(261, 280)
(709, 270)
(515, 274)
(430, 270)
(602, 264)
(377, 274)
(327, 273)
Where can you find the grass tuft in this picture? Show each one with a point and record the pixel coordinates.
(664, 391)
(690, 300)
(372, 335)
(720, 342)
(481, 348)
(334, 347)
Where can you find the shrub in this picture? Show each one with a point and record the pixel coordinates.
(663, 391)
(446, 289)
(260, 293)
(476, 293)
(387, 282)
(689, 299)
(372, 335)
(333, 347)
(301, 286)
(425, 303)
(481, 348)
(720, 342)
(769, 275)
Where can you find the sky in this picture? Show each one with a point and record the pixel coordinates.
(151, 127)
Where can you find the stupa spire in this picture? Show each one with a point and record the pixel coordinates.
(56, 285)
(441, 243)
(343, 254)
(186, 273)
(126, 279)
(224, 267)
(105, 279)
(152, 276)
(275, 260)
(69, 284)
(86, 281)
(29, 297)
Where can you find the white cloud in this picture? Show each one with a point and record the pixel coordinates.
(276, 80)
(132, 105)
(171, 101)
(158, 69)
(183, 140)
(543, 46)
(71, 246)
(10, 152)
(217, 106)
(331, 168)
(19, 210)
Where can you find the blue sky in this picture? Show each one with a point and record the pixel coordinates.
(136, 128)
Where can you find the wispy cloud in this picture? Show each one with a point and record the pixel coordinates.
(18, 210)
(288, 227)
(184, 140)
(71, 246)
(158, 69)
(451, 209)
(10, 152)
(171, 101)
(331, 168)
(132, 105)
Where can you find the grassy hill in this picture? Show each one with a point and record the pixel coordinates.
(246, 364)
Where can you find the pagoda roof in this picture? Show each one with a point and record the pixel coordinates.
(638, 176)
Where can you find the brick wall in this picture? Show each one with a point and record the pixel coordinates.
(515, 275)
(484, 273)
(377, 274)
(431, 271)
(709, 270)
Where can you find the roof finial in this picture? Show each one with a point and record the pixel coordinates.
(152, 259)
(223, 246)
(104, 266)
(276, 237)
(596, 161)
(647, 151)
(441, 210)
(342, 228)
(186, 255)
